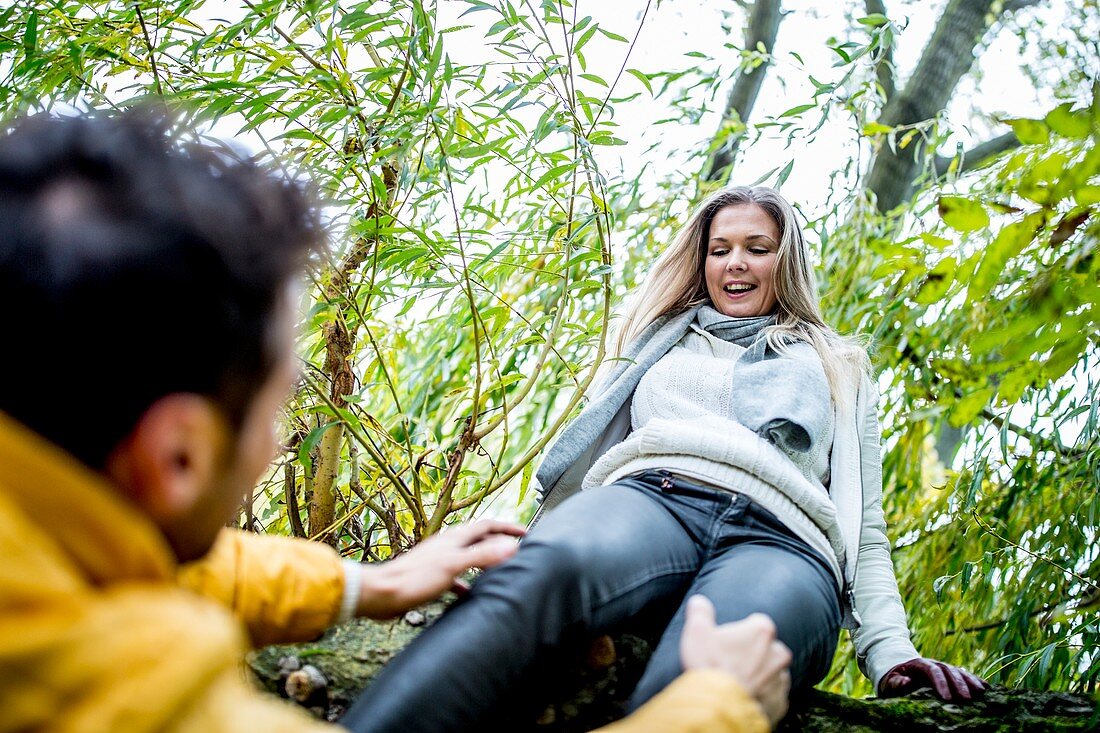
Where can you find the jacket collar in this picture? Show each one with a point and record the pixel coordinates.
(106, 539)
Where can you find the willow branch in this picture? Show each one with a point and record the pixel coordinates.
(1042, 558)
(149, 45)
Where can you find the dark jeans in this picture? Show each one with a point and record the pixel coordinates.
(607, 555)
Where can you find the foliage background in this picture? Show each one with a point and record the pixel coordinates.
(486, 224)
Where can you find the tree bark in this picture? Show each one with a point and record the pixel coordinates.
(978, 154)
(762, 29)
(949, 54)
(342, 662)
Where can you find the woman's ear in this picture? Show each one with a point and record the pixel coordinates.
(172, 457)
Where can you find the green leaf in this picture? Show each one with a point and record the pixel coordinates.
(642, 78)
(798, 110)
(938, 585)
(1087, 195)
(1008, 243)
(967, 572)
(298, 134)
(1044, 659)
(1030, 132)
(783, 174)
(936, 241)
(553, 173)
(1014, 383)
(525, 481)
(963, 214)
(1065, 356)
(937, 282)
(1067, 122)
(971, 499)
(603, 137)
(874, 20)
(876, 128)
(310, 443)
(594, 79)
(969, 407)
(30, 34)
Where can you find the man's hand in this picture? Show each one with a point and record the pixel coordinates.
(950, 683)
(389, 589)
(746, 649)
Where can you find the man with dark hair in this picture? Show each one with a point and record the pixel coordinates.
(148, 287)
(147, 273)
(149, 290)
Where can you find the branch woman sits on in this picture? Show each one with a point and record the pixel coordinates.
(732, 450)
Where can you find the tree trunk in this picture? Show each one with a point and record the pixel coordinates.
(326, 675)
(949, 54)
(762, 29)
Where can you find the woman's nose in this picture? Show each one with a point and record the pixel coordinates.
(736, 261)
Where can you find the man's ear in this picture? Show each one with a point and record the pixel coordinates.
(171, 457)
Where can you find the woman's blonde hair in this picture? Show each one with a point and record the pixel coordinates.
(677, 282)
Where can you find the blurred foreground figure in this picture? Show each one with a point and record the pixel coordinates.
(148, 288)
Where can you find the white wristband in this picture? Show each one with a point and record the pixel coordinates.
(350, 599)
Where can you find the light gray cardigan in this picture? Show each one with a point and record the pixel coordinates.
(873, 611)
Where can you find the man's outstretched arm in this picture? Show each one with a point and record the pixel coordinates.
(285, 589)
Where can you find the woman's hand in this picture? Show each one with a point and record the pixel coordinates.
(746, 649)
(390, 588)
(950, 683)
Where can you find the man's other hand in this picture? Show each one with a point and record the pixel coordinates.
(746, 649)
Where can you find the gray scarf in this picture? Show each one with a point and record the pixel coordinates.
(789, 412)
(740, 331)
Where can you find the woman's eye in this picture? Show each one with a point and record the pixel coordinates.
(718, 252)
(759, 250)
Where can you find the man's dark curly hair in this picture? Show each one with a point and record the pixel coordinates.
(133, 266)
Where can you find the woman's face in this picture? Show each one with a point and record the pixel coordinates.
(742, 245)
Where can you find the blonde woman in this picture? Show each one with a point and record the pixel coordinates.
(732, 451)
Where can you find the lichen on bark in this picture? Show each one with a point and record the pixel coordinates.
(349, 656)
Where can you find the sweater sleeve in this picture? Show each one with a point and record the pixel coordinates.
(283, 589)
(699, 701)
(882, 638)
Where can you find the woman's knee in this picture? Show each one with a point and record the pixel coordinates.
(540, 571)
(808, 621)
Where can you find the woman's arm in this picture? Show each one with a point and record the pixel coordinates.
(883, 647)
(882, 636)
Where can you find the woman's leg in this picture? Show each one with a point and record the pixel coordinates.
(757, 565)
(598, 558)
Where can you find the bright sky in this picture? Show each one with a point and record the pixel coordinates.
(674, 28)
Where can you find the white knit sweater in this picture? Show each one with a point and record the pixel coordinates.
(683, 420)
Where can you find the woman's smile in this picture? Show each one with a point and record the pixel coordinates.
(742, 246)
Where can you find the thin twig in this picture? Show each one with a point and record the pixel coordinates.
(149, 45)
(989, 530)
(626, 58)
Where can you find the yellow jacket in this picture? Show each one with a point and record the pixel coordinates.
(101, 631)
